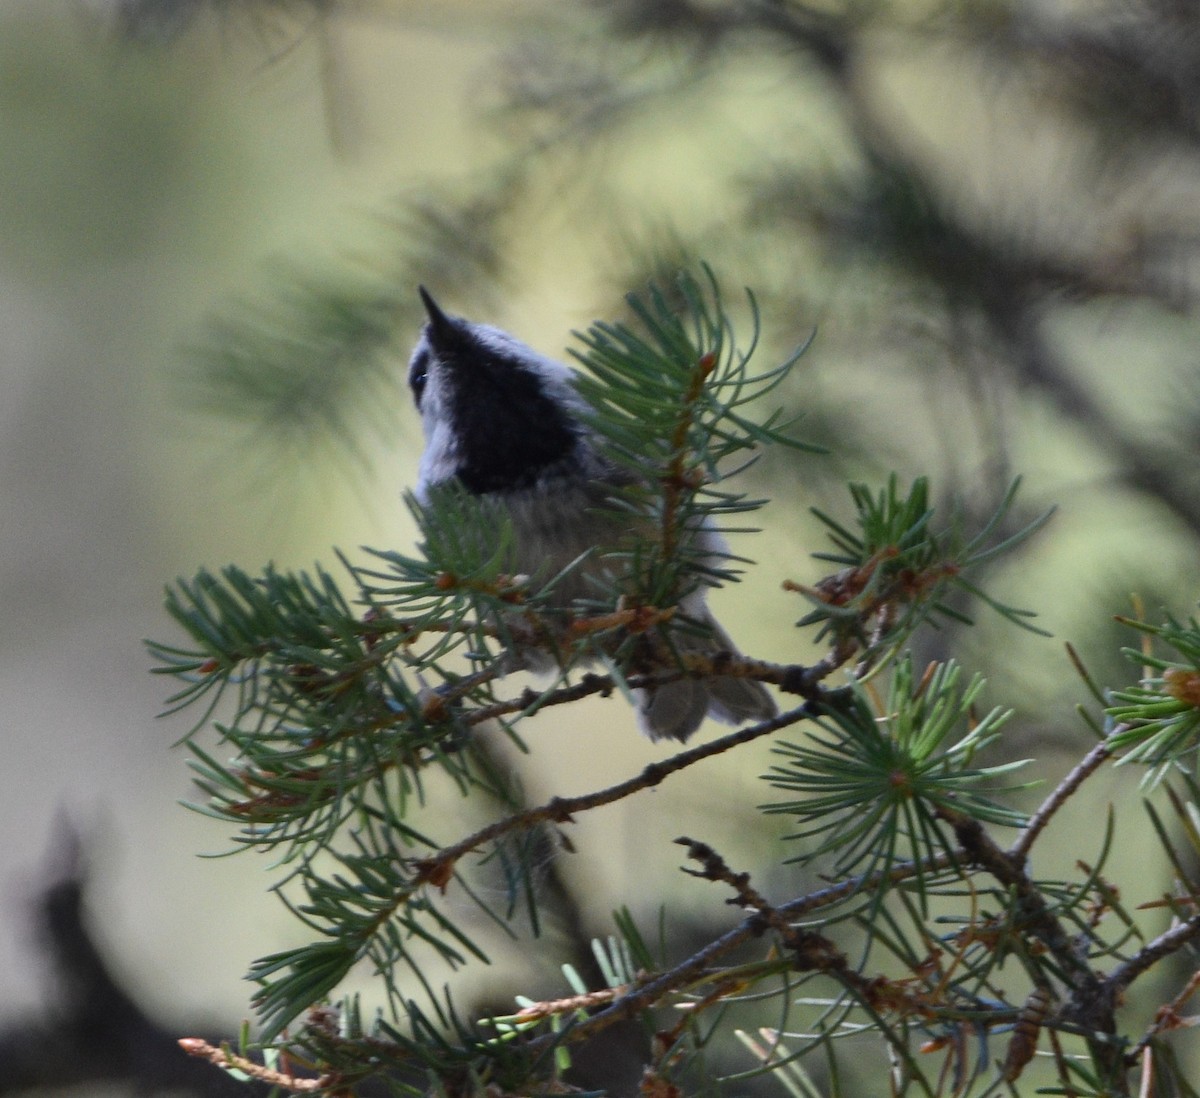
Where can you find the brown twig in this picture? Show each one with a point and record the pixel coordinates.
(1151, 953)
(715, 869)
(1092, 1003)
(548, 1008)
(803, 681)
(438, 868)
(1166, 1018)
(1009, 870)
(647, 994)
(1083, 770)
(223, 1058)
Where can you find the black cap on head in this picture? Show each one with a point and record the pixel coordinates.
(508, 423)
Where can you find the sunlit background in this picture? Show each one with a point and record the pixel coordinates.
(169, 172)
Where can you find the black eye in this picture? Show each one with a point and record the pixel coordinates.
(418, 375)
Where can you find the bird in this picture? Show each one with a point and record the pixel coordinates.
(509, 424)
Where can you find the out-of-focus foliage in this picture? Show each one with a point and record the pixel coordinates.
(951, 192)
(986, 210)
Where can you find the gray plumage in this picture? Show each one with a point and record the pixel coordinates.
(506, 422)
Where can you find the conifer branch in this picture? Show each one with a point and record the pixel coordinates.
(1062, 793)
(228, 1060)
(334, 723)
(437, 868)
(1165, 945)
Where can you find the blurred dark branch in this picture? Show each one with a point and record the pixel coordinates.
(1153, 471)
(613, 1062)
(1134, 70)
(95, 1032)
(158, 21)
(899, 212)
(1147, 66)
(827, 37)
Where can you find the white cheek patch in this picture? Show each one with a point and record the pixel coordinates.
(439, 462)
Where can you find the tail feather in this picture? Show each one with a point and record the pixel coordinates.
(675, 710)
(736, 701)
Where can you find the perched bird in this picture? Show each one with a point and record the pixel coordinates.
(508, 423)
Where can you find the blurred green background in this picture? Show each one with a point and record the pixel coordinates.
(987, 212)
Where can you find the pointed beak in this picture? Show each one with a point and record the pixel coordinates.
(438, 320)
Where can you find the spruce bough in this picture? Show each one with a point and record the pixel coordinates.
(340, 699)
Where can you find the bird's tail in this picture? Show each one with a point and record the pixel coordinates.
(675, 710)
